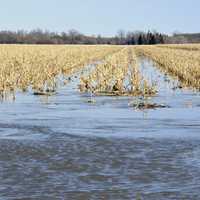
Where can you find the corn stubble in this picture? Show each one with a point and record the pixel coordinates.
(189, 47)
(117, 75)
(178, 62)
(37, 67)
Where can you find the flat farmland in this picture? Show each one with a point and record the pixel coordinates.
(99, 121)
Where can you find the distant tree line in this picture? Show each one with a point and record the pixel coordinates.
(140, 38)
(182, 38)
(39, 36)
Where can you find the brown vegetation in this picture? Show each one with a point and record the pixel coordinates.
(117, 75)
(183, 64)
(38, 67)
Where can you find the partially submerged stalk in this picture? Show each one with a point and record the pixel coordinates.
(183, 64)
(117, 75)
(37, 67)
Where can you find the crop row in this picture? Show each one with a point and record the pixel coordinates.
(118, 75)
(37, 67)
(183, 64)
(189, 47)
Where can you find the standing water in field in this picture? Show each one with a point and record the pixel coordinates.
(77, 146)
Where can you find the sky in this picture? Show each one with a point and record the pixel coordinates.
(103, 17)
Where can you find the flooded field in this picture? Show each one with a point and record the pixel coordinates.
(76, 145)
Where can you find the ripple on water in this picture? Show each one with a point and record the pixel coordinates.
(65, 148)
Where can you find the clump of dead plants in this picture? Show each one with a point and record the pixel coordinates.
(117, 75)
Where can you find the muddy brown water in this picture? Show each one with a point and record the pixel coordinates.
(62, 147)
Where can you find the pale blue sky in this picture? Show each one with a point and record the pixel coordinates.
(101, 16)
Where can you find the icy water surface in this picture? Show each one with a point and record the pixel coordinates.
(63, 147)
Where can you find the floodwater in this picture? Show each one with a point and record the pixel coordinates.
(63, 147)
